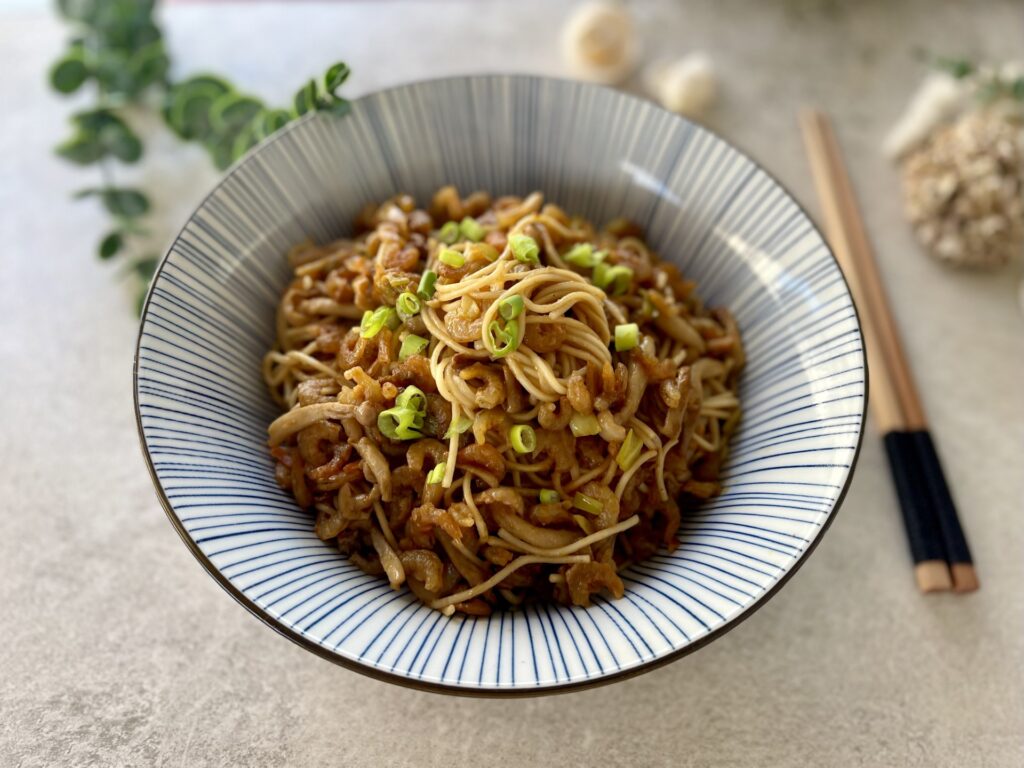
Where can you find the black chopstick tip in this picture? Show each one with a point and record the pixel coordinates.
(933, 576)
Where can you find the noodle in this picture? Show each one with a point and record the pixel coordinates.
(537, 417)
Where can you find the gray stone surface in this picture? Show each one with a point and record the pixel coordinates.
(118, 650)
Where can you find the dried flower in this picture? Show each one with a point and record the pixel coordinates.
(964, 189)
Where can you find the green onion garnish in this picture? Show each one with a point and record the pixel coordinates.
(412, 345)
(405, 420)
(511, 307)
(472, 229)
(408, 304)
(400, 423)
(584, 256)
(459, 426)
(451, 257)
(426, 286)
(613, 278)
(523, 438)
(583, 425)
(449, 233)
(627, 336)
(588, 504)
(412, 397)
(630, 451)
(548, 496)
(374, 320)
(502, 341)
(436, 475)
(525, 249)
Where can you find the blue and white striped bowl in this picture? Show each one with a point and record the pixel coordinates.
(203, 410)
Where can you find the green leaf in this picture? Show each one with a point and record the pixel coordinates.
(124, 145)
(110, 133)
(114, 73)
(69, 73)
(77, 10)
(126, 203)
(95, 120)
(206, 83)
(87, 192)
(335, 77)
(958, 68)
(269, 122)
(245, 140)
(338, 107)
(232, 112)
(190, 111)
(82, 149)
(146, 267)
(1018, 88)
(220, 149)
(305, 98)
(150, 63)
(110, 245)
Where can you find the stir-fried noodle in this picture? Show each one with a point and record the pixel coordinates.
(494, 402)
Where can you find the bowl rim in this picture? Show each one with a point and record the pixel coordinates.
(455, 689)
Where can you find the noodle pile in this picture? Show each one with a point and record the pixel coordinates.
(492, 402)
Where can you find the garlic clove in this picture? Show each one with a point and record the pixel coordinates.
(600, 42)
(938, 98)
(688, 86)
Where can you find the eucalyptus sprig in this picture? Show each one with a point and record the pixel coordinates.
(117, 47)
(207, 109)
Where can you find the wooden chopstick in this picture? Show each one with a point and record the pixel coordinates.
(937, 542)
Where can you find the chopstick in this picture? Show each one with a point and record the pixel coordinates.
(942, 559)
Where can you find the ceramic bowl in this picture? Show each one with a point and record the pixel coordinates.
(203, 410)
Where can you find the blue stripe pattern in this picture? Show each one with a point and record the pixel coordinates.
(203, 409)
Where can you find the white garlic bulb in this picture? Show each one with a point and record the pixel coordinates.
(600, 42)
(688, 86)
(936, 100)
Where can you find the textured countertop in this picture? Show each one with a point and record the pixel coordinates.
(119, 650)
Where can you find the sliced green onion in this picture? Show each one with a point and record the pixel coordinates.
(584, 256)
(548, 496)
(583, 425)
(523, 438)
(400, 423)
(459, 426)
(588, 504)
(525, 249)
(449, 233)
(627, 336)
(502, 341)
(408, 304)
(412, 397)
(373, 321)
(630, 451)
(472, 229)
(426, 286)
(612, 278)
(451, 257)
(511, 307)
(412, 345)
(436, 475)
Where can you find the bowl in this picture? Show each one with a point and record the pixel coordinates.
(202, 408)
